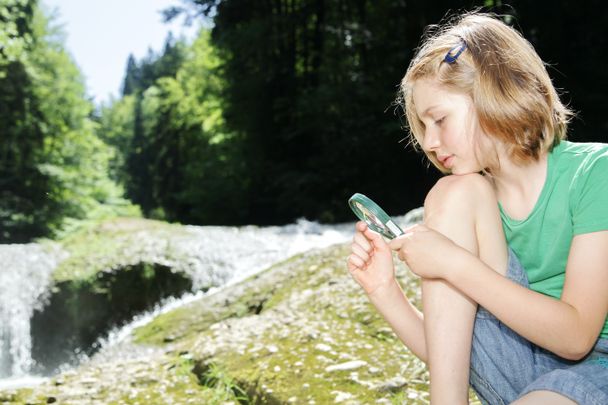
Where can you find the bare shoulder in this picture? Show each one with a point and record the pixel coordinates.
(456, 188)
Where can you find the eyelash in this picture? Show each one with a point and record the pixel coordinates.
(439, 121)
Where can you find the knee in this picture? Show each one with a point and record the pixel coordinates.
(459, 195)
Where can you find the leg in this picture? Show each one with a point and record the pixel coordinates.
(544, 397)
(464, 208)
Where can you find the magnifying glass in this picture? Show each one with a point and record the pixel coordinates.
(374, 216)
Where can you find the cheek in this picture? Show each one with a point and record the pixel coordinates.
(458, 139)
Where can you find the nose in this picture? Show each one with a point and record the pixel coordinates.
(430, 141)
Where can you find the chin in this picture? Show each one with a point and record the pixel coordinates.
(460, 171)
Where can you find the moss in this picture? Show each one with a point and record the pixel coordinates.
(295, 356)
(251, 296)
(273, 339)
(108, 244)
(166, 380)
(295, 370)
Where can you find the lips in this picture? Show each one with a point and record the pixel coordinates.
(445, 160)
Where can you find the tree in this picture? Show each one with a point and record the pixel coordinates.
(52, 165)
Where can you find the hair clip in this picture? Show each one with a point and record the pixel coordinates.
(451, 57)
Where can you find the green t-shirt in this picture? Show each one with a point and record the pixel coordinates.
(573, 201)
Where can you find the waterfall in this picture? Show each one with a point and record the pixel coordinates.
(25, 275)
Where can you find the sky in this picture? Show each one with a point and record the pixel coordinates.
(100, 35)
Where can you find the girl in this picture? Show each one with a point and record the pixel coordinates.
(513, 253)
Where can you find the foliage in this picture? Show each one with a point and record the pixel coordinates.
(52, 165)
(179, 159)
(224, 387)
(283, 109)
(305, 106)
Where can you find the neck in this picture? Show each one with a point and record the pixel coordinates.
(519, 186)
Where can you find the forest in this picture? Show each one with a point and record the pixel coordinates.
(281, 110)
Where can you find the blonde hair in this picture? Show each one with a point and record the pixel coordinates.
(514, 98)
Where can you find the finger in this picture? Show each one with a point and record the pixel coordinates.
(362, 241)
(358, 250)
(355, 263)
(360, 226)
(413, 228)
(401, 256)
(375, 239)
(397, 243)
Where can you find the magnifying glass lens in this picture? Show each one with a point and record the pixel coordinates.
(374, 216)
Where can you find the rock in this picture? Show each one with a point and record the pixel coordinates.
(373, 370)
(341, 396)
(290, 352)
(349, 365)
(323, 347)
(394, 384)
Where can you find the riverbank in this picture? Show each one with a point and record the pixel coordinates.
(300, 332)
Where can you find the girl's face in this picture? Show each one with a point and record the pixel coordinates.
(451, 127)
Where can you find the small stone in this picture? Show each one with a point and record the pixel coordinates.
(51, 400)
(349, 365)
(394, 384)
(277, 369)
(292, 400)
(306, 385)
(272, 349)
(323, 347)
(341, 396)
(298, 364)
(373, 370)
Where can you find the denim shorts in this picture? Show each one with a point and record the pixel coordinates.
(505, 366)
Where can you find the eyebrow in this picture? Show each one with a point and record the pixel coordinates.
(426, 112)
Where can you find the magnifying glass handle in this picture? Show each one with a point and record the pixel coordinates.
(394, 228)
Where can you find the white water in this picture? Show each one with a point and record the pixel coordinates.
(210, 255)
(233, 254)
(278, 243)
(25, 274)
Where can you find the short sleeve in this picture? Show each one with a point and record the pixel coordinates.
(590, 194)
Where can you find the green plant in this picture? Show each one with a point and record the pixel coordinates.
(225, 388)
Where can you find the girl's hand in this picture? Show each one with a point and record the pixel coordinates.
(428, 253)
(371, 260)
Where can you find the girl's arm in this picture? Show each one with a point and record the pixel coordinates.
(403, 317)
(371, 265)
(568, 327)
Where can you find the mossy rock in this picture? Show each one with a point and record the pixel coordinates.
(300, 332)
(112, 270)
(116, 243)
(300, 321)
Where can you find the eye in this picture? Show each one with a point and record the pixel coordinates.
(440, 121)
